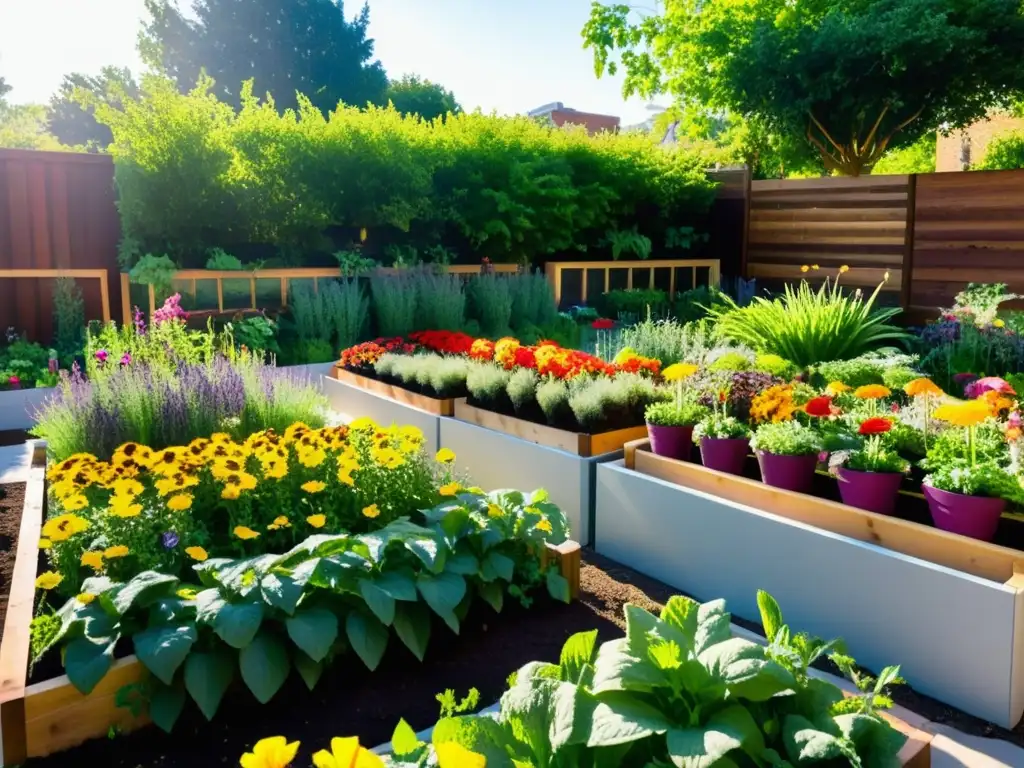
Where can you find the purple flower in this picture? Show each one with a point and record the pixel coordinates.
(52, 365)
(171, 310)
(126, 359)
(140, 321)
(101, 356)
(170, 539)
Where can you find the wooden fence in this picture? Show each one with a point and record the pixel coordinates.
(56, 212)
(669, 274)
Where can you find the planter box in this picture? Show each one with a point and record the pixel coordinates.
(354, 396)
(495, 459)
(51, 715)
(576, 443)
(17, 406)
(949, 610)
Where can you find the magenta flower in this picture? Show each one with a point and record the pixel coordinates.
(101, 356)
(14, 382)
(988, 384)
(126, 359)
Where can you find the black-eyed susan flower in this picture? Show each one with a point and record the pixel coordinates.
(63, 527)
(347, 753)
(279, 522)
(75, 502)
(449, 489)
(124, 506)
(313, 486)
(180, 502)
(445, 456)
(48, 580)
(45, 544)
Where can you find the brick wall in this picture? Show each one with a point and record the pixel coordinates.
(950, 149)
(594, 123)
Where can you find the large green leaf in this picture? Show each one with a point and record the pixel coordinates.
(493, 593)
(264, 664)
(141, 590)
(412, 625)
(442, 592)
(400, 584)
(805, 742)
(165, 705)
(771, 614)
(243, 576)
(377, 600)
(742, 666)
(281, 591)
(308, 669)
(463, 563)
(339, 572)
(237, 623)
(558, 586)
(86, 662)
(714, 625)
(731, 728)
(163, 649)
(207, 677)
(616, 669)
(579, 651)
(314, 630)
(497, 566)
(172, 610)
(619, 717)
(429, 551)
(368, 637)
(681, 613)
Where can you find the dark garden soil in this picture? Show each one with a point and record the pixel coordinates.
(12, 503)
(351, 701)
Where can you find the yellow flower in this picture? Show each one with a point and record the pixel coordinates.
(313, 486)
(885, 277)
(186, 593)
(346, 753)
(85, 598)
(804, 268)
(678, 372)
(48, 580)
(122, 506)
(63, 527)
(388, 458)
(544, 525)
(274, 752)
(76, 502)
(445, 456)
(815, 266)
(196, 553)
(872, 392)
(493, 510)
(279, 522)
(180, 502)
(317, 521)
(371, 511)
(998, 323)
(275, 468)
(127, 487)
(231, 492)
(837, 388)
(450, 489)
(93, 559)
(345, 476)
(363, 423)
(454, 755)
(963, 414)
(922, 386)
(844, 269)
(245, 533)
(313, 457)
(45, 544)
(119, 550)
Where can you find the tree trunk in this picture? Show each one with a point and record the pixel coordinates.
(855, 157)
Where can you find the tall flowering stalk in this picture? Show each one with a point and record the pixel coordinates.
(925, 390)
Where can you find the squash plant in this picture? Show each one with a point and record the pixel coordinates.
(263, 615)
(677, 690)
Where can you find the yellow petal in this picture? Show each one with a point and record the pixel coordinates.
(452, 755)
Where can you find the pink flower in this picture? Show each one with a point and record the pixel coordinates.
(14, 382)
(101, 356)
(126, 359)
(988, 384)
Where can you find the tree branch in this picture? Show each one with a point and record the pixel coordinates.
(830, 162)
(874, 129)
(823, 131)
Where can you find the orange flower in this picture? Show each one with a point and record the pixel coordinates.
(922, 386)
(872, 392)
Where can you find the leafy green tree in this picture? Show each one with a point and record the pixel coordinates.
(72, 121)
(23, 126)
(918, 157)
(414, 96)
(1004, 153)
(4, 89)
(853, 77)
(285, 46)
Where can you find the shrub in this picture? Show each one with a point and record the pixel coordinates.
(1004, 152)
(635, 303)
(695, 303)
(394, 303)
(440, 300)
(219, 259)
(775, 366)
(730, 361)
(346, 310)
(671, 342)
(313, 326)
(807, 326)
(533, 301)
(490, 298)
(870, 368)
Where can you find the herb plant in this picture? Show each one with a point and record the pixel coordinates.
(786, 438)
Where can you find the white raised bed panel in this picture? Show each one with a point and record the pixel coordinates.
(353, 402)
(18, 406)
(495, 460)
(957, 637)
(315, 372)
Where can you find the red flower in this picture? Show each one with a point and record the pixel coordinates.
(524, 357)
(874, 426)
(819, 406)
(602, 324)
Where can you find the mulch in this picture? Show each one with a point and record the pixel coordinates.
(12, 503)
(351, 701)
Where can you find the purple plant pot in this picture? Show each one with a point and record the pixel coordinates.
(873, 491)
(974, 516)
(726, 454)
(791, 473)
(671, 442)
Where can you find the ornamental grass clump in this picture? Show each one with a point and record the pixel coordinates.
(806, 326)
(394, 302)
(440, 300)
(487, 383)
(553, 399)
(490, 302)
(522, 390)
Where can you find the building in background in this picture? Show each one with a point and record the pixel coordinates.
(562, 115)
(962, 150)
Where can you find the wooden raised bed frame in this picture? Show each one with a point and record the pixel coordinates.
(978, 558)
(577, 443)
(52, 715)
(432, 405)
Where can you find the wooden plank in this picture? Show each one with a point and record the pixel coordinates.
(58, 716)
(843, 200)
(960, 274)
(809, 225)
(58, 200)
(828, 183)
(857, 277)
(569, 556)
(758, 237)
(851, 259)
(579, 444)
(431, 405)
(898, 214)
(978, 558)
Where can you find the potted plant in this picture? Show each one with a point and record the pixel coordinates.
(670, 424)
(870, 475)
(787, 452)
(724, 440)
(965, 495)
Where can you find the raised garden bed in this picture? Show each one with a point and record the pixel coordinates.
(51, 715)
(949, 609)
(17, 406)
(497, 451)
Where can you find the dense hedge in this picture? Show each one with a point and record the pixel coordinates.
(193, 174)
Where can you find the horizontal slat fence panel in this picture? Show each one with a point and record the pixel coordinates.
(969, 228)
(829, 222)
(56, 212)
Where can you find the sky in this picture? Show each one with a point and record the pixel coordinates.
(503, 55)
